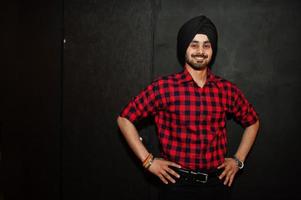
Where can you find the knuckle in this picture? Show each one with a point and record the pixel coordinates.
(165, 167)
(170, 171)
(164, 174)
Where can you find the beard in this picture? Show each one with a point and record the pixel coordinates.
(197, 61)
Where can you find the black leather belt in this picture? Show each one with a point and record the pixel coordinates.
(195, 177)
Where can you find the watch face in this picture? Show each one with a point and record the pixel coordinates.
(239, 163)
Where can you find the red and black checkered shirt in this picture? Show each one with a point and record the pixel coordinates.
(190, 120)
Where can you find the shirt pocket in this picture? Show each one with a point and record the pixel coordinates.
(217, 121)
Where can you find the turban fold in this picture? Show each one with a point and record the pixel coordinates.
(200, 24)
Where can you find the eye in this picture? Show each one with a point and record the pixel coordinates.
(207, 45)
(194, 45)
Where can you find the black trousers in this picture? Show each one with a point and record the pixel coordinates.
(213, 189)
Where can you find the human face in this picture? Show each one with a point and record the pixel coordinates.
(199, 52)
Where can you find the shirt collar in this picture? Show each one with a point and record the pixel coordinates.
(186, 77)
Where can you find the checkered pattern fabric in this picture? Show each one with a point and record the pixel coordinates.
(190, 120)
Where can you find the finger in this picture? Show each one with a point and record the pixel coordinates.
(227, 179)
(227, 171)
(163, 179)
(230, 176)
(230, 181)
(174, 164)
(168, 177)
(223, 174)
(221, 166)
(172, 172)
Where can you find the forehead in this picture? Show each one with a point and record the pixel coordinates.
(200, 38)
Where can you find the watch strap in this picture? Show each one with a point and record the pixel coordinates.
(240, 163)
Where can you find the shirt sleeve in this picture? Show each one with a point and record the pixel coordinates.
(243, 112)
(146, 103)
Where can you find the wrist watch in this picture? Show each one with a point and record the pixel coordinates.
(240, 163)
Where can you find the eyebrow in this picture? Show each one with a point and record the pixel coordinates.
(195, 41)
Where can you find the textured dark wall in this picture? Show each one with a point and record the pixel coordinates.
(58, 119)
(107, 59)
(30, 99)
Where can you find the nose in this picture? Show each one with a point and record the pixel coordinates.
(200, 50)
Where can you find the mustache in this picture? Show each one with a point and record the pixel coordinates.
(199, 55)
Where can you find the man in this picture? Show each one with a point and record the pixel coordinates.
(190, 110)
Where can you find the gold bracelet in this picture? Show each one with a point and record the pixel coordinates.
(150, 162)
(146, 159)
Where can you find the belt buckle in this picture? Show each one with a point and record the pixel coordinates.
(200, 173)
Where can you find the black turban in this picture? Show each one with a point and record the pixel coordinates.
(200, 24)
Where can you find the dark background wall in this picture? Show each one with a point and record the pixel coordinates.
(59, 138)
(30, 76)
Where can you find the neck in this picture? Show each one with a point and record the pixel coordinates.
(199, 75)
